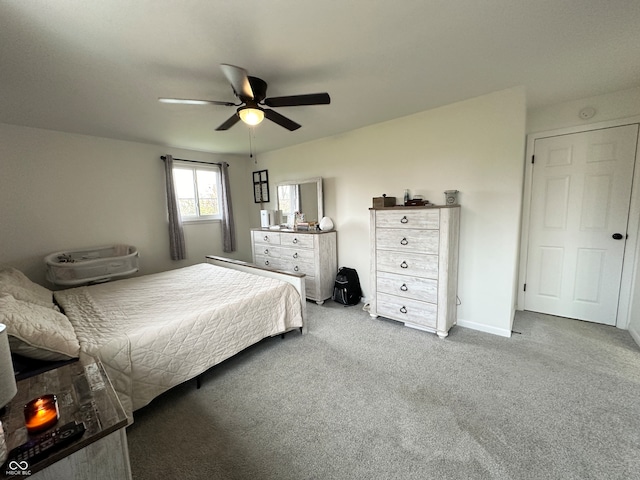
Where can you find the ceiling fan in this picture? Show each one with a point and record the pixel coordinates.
(252, 92)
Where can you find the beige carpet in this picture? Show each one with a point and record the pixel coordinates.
(358, 398)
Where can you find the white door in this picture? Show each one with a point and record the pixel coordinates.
(580, 196)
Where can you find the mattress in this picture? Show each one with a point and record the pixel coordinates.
(157, 331)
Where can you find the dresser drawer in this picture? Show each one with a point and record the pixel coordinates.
(287, 265)
(265, 261)
(266, 238)
(267, 250)
(422, 219)
(296, 254)
(407, 310)
(424, 289)
(296, 266)
(297, 240)
(411, 264)
(408, 240)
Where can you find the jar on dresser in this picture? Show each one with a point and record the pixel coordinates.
(310, 252)
(414, 265)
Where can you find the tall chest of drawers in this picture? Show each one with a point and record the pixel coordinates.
(414, 266)
(310, 252)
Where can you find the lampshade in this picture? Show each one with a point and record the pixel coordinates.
(251, 116)
(8, 387)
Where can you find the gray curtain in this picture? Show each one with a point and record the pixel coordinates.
(176, 233)
(295, 194)
(228, 225)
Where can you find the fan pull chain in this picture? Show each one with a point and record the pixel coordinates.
(251, 133)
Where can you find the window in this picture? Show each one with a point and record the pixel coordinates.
(198, 191)
(289, 199)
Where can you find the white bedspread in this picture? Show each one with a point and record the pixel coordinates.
(157, 331)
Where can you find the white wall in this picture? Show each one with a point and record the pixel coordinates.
(61, 191)
(611, 106)
(475, 146)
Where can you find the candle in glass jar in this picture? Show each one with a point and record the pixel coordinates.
(41, 413)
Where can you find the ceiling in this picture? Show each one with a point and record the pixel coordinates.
(97, 68)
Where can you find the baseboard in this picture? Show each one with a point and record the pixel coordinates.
(503, 332)
(635, 334)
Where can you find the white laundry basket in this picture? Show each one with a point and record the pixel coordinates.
(91, 265)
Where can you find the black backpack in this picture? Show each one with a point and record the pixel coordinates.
(346, 289)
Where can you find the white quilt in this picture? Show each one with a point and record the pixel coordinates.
(157, 331)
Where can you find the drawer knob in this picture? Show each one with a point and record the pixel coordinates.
(266, 238)
(404, 265)
(295, 240)
(295, 269)
(404, 241)
(403, 309)
(404, 287)
(266, 262)
(295, 255)
(404, 219)
(266, 251)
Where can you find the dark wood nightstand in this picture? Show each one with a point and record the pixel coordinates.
(84, 394)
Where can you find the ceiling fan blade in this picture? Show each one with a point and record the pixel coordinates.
(238, 79)
(230, 122)
(190, 101)
(297, 100)
(281, 120)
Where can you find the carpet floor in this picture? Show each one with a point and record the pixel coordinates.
(363, 398)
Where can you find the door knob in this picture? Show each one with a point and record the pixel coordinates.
(617, 236)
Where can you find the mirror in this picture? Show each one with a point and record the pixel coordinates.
(303, 196)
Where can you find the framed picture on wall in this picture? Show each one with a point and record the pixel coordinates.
(261, 186)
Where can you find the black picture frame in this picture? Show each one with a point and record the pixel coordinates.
(261, 186)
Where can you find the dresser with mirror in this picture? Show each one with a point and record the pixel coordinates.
(285, 247)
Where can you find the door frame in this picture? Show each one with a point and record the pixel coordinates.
(629, 268)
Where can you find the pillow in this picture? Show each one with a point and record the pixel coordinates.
(15, 283)
(38, 332)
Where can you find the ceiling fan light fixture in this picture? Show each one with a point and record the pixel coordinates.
(251, 116)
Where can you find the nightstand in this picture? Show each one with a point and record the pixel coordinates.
(84, 394)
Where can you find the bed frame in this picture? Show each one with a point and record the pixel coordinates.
(295, 279)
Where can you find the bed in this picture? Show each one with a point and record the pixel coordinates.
(156, 331)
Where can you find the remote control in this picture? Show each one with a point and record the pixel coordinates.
(36, 449)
